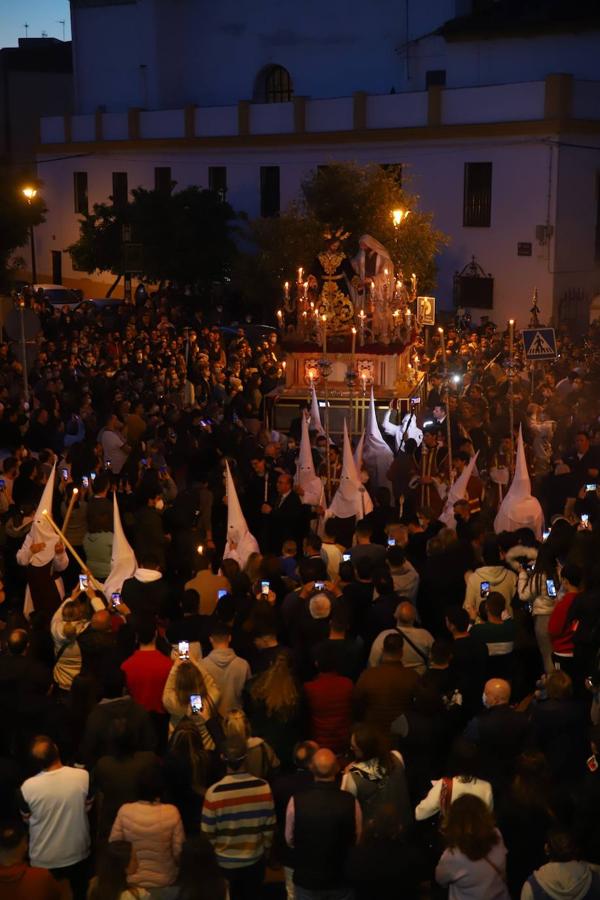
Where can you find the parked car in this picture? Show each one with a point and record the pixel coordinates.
(59, 295)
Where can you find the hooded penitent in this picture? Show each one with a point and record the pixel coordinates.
(240, 543)
(123, 563)
(458, 491)
(306, 477)
(519, 509)
(315, 415)
(351, 498)
(377, 456)
(41, 531)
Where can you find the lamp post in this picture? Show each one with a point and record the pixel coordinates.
(30, 193)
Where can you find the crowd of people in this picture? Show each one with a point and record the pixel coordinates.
(400, 704)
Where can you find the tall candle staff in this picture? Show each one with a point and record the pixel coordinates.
(511, 390)
(447, 399)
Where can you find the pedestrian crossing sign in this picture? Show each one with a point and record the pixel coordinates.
(540, 343)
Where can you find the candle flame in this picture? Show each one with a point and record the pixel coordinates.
(353, 330)
(200, 549)
(75, 490)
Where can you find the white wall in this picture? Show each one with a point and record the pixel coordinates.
(521, 177)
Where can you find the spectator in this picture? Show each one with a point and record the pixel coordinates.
(417, 641)
(384, 692)
(473, 863)
(117, 863)
(54, 804)
(377, 778)
(239, 797)
(229, 672)
(322, 824)
(469, 659)
(155, 832)
(499, 731)
(199, 875)
(560, 629)
(498, 634)
(147, 671)
(495, 575)
(347, 651)
(186, 679)
(261, 760)
(329, 704)
(462, 781)
(364, 549)
(207, 584)
(564, 874)
(18, 879)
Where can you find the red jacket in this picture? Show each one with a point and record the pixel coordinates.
(23, 882)
(146, 673)
(560, 633)
(329, 700)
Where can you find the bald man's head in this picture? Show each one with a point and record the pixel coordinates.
(324, 765)
(101, 621)
(18, 641)
(496, 692)
(405, 613)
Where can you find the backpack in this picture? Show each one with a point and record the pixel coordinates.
(374, 791)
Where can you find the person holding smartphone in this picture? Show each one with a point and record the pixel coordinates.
(540, 588)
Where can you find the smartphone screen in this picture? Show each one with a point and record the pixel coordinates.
(391, 542)
(346, 557)
(184, 649)
(484, 588)
(65, 474)
(550, 587)
(83, 582)
(221, 594)
(196, 704)
(2, 483)
(591, 487)
(93, 476)
(116, 598)
(85, 481)
(546, 535)
(319, 585)
(584, 518)
(264, 587)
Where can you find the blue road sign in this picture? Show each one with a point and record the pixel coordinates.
(540, 343)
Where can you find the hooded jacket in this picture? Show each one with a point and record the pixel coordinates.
(230, 673)
(501, 579)
(572, 880)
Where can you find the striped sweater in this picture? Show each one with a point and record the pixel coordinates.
(238, 818)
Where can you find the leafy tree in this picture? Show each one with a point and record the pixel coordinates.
(359, 199)
(16, 217)
(184, 236)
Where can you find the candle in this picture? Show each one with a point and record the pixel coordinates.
(364, 382)
(284, 366)
(70, 508)
(300, 271)
(279, 317)
(200, 549)
(408, 317)
(305, 289)
(286, 290)
(511, 336)
(353, 344)
(324, 320)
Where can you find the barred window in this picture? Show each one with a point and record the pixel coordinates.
(274, 85)
(477, 204)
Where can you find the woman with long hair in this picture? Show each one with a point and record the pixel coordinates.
(525, 813)
(462, 779)
(473, 863)
(200, 877)
(261, 760)
(273, 707)
(539, 588)
(377, 776)
(187, 768)
(186, 679)
(115, 864)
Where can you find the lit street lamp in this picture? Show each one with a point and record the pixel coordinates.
(399, 216)
(30, 193)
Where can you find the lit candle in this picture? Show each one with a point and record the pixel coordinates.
(324, 320)
(286, 290)
(279, 317)
(353, 344)
(305, 288)
(200, 549)
(511, 336)
(284, 366)
(408, 317)
(300, 271)
(364, 382)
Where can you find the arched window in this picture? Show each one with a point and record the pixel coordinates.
(274, 85)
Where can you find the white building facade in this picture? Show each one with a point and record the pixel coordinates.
(496, 125)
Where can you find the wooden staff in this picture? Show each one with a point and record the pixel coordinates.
(70, 547)
(70, 508)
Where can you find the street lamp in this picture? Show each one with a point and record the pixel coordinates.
(30, 193)
(399, 216)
